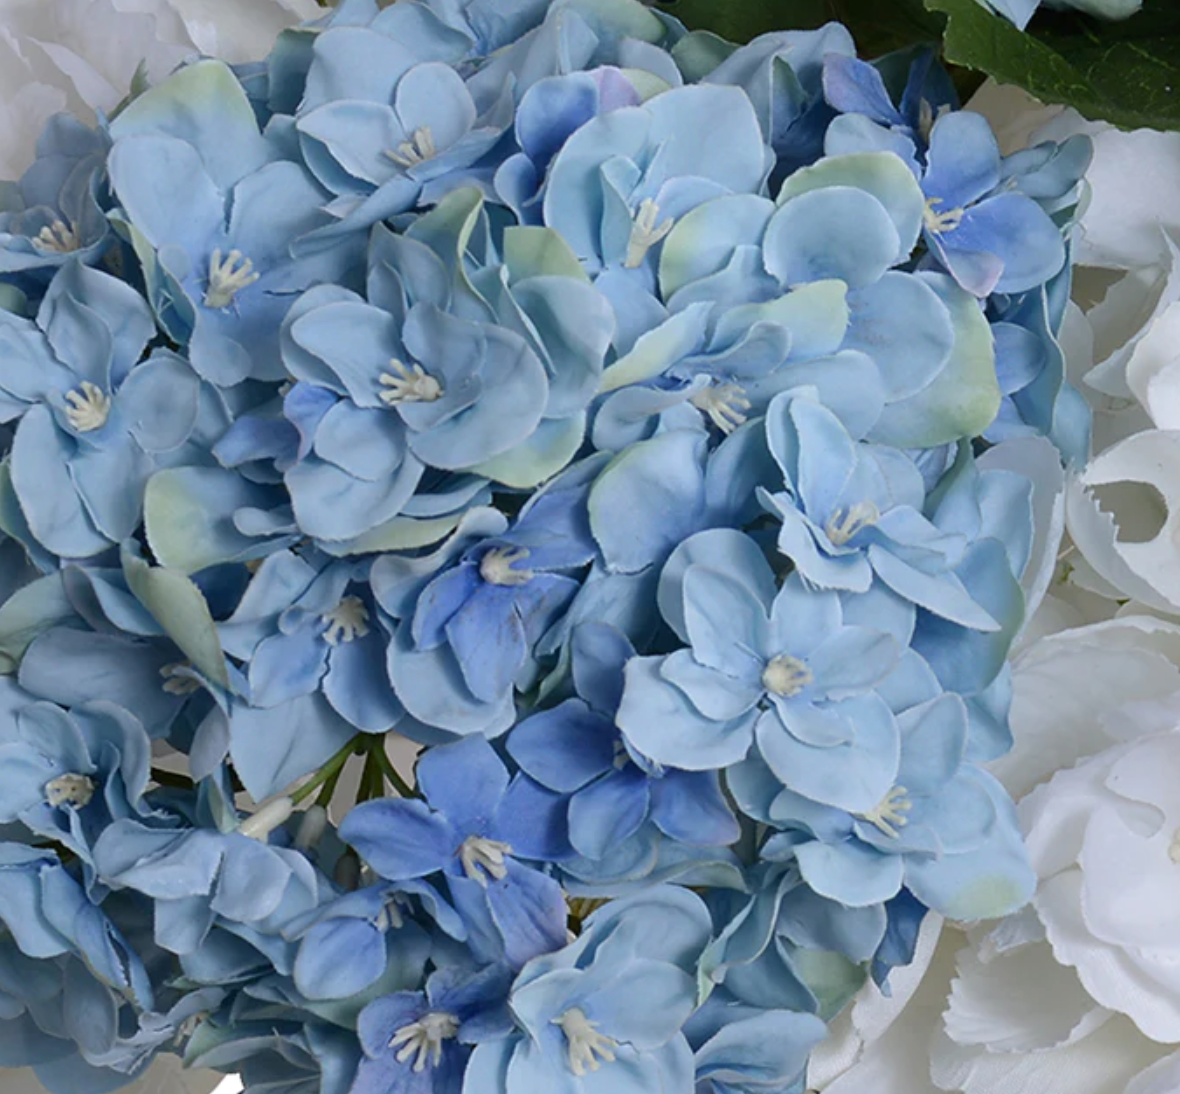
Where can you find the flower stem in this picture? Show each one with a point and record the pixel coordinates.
(330, 770)
(377, 750)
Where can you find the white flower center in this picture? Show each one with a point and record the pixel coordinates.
(424, 1038)
(58, 237)
(890, 813)
(646, 231)
(75, 790)
(725, 405)
(390, 917)
(345, 622)
(585, 1043)
(785, 675)
(496, 567)
(408, 384)
(418, 149)
(227, 278)
(89, 407)
(176, 679)
(937, 222)
(483, 858)
(843, 524)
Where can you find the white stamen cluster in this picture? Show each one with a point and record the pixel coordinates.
(418, 149)
(58, 237)
(843, 524)
(483, 858)
(496, 567)
(890, 814)
(75, 790)
(587, 1048)
(89, 407)
(408, 384)
(937, 222)
(423, 1040)
(724, 404)
(176, 679)
(228, 276)
(786, 676)
(346, 622)
(646, 231)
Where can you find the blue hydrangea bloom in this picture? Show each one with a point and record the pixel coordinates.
(852, 514)
(93, 415)
(419, 1042)
(575, 750)
(471, 829)
(606, 1012)
(53, 212)
(434, 381)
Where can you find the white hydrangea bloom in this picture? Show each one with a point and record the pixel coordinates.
(81, 55)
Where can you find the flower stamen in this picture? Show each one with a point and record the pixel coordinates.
(177, 681)
(483, 858)
(844, 524)
(346, 622)
(646, 231)
(424, 1038)
(937, 222)
(228, 277)
(58, 237)
(408, 384)
(889, 815)
(496, 567)
(418, 149)
(75, 790)
(588, 1049)
(786, 676)
(724, 404)
(89, 408)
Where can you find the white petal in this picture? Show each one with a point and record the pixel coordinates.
(1068, 687)
(1161, 1078)
(1121, 226)
(1136, 545)
(1037, 460)
(1098, 1064)
(1153, 371)
(1019, 1001)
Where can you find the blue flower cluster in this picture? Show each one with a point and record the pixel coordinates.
(595, 405)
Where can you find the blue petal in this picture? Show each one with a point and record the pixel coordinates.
(689, 806)
(564, 748)
(607, 811)
(399, 839)
(464, 781)
(658, 719)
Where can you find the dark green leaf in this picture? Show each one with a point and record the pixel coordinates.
(878, 26)
(1127, 73)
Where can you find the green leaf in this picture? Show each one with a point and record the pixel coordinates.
(1127, 73)
(27, 613)
(878, 26)
(180, 608)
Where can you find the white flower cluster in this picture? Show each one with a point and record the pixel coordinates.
(1079, 993)
(82, 55)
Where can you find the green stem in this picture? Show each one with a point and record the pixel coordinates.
(330, 770)
(372, 785)
(377, 750)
